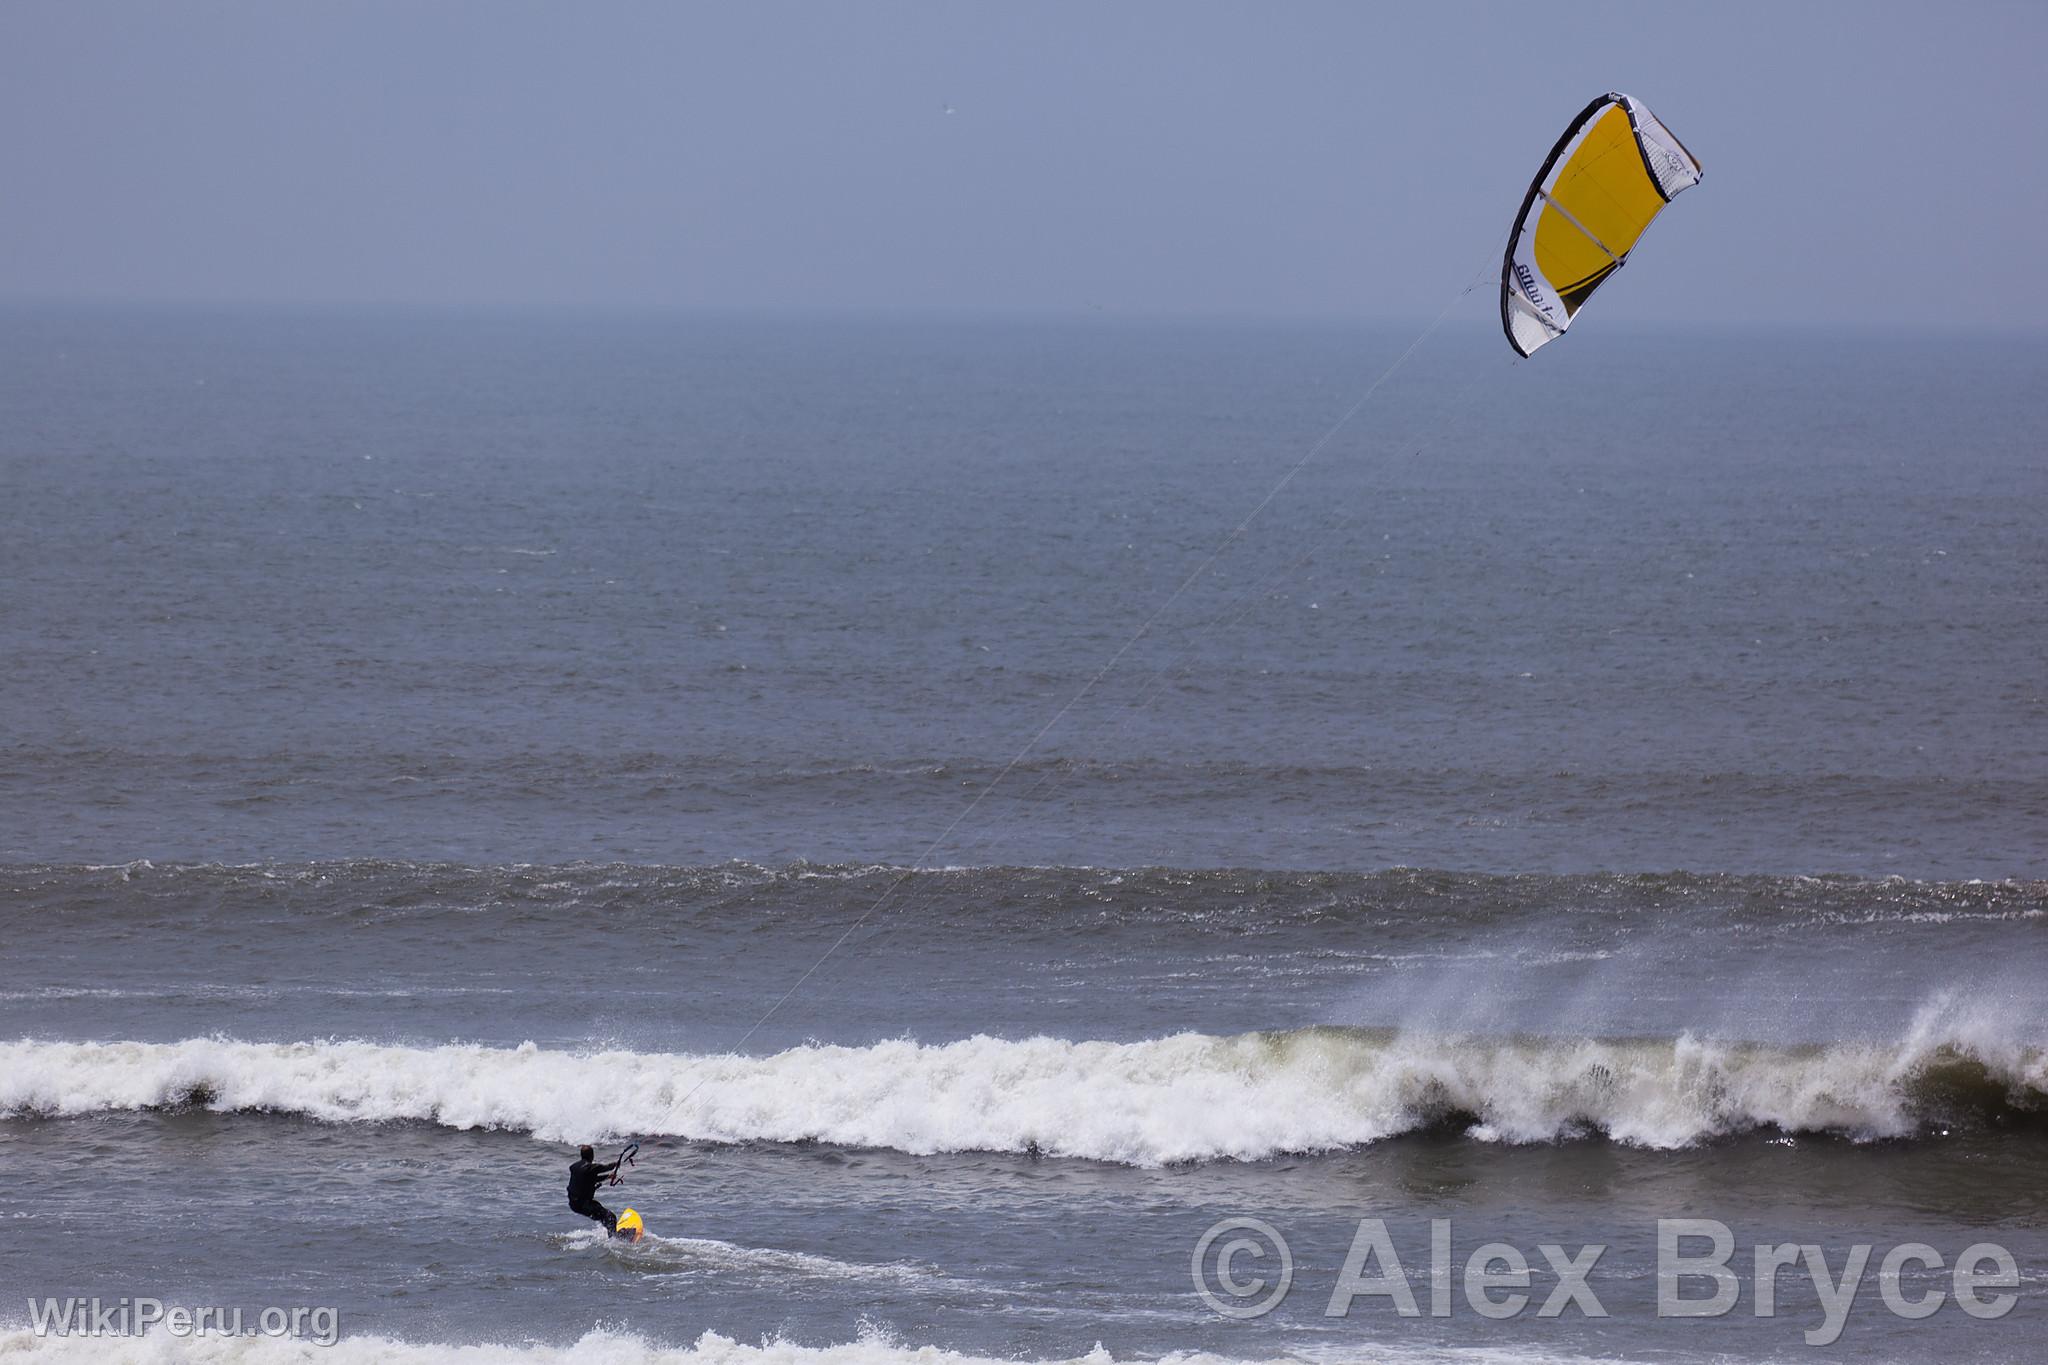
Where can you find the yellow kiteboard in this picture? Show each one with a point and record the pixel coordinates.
(630, 1228)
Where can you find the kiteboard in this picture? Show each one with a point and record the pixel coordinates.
(630, 1228)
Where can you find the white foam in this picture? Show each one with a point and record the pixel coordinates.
(611, 1347)
(728, 1259)
(1181, 1098)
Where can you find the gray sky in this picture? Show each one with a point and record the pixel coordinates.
(1864, 162)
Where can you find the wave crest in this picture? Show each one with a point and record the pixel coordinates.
(612, 1347)
(1189, 1097)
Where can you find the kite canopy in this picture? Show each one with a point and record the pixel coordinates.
(1611, 173)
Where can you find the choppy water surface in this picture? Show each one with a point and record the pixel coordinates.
(1593, 792)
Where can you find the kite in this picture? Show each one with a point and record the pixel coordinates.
(1608, 177)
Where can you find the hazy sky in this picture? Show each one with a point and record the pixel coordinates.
(1864, 162)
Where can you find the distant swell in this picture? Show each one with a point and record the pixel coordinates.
(1190, 1097)
(1010, 901)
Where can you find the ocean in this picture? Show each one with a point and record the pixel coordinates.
(1019, 818)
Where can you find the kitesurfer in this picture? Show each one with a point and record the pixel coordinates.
(585, 1175)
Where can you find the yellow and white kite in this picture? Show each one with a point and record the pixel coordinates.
(1611, 173)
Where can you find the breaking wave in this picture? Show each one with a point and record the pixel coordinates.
(613, 1347)
(1189, 1097)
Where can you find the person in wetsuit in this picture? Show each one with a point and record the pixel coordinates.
(585, 1175)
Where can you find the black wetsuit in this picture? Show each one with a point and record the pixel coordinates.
(584, 1178)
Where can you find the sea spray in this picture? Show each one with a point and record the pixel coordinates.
(1187, 1097)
